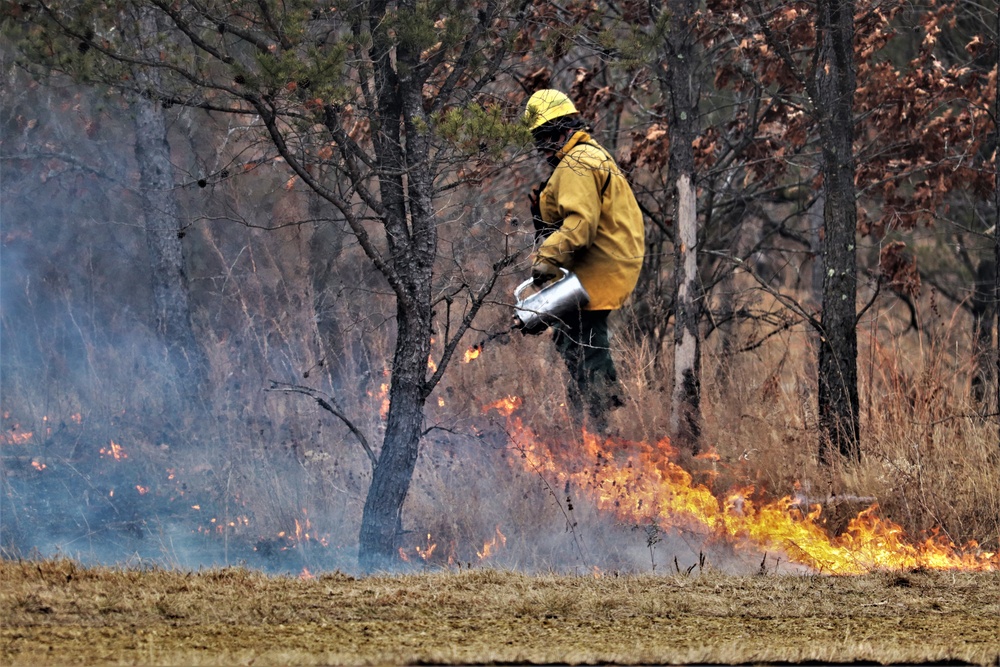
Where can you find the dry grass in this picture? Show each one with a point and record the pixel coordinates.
(266, 469)
(54, 612)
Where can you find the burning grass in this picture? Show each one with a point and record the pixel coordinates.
(55, 612)
(114, 471)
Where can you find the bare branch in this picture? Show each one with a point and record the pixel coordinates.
(329, 404)
(477, 302)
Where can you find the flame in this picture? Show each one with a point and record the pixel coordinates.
(14, 437)
(426, 552)
(641, 483)
(143, 490)
(709, 455)
(302, 534)
(383, 395)
(306, 574)
(115, 451)
(38, 465)
(431, 365)
(473, 353)
(423, 552)
(440, 402)
(489, 547)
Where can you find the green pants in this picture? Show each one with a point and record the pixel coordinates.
(584, 343)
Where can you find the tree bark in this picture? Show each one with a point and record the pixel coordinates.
(982, 306)
(402, 147)
(996, 221)
(833, 96)
(171, 307)
(381, 518)
(679, 83)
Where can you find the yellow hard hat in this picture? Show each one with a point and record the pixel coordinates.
(546, 105)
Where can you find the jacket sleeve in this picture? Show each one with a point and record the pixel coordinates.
(578, 205)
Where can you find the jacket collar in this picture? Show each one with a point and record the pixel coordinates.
(579, 136)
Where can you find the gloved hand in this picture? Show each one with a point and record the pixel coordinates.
(543, 272)
(535, 203)
(534, 199)
(538, 328)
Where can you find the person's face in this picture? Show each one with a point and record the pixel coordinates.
(548, 145)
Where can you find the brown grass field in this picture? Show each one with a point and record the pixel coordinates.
(58, 613)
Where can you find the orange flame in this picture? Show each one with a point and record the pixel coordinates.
(13, 437)
(115, 451)
(641, 483)
(383, 394)
(473, 353)
(490, 547)
(303, 532)
(38, 465)
(427, 551)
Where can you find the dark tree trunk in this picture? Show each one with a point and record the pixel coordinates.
(815, 217)
(680, 87)
(172, 312)
(381, 518)
(983, 304)
(402, 145)
(833, 95)
(996, 207)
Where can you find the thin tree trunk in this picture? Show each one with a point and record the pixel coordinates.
(412, 239)
(815, 217)
(983, 303)
(833, 96)
(679, 84)
(685, 416)
(172, 312)
(996, 208)
(381, 518)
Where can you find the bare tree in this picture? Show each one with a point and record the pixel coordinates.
(371, 105)
(680, 85)
(832, 90)
(172, 312)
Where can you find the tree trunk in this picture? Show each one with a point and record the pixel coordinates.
(172, 312)
(403, 147)
(982, 329)
(833, 95)
(815, 217)
(679, 82)
(381, 518)
(685, 415)
(996, 208)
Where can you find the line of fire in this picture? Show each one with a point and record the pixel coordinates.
(106, 492)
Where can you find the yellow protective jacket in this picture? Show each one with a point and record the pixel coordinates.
(599, 232)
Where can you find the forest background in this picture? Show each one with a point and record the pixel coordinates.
(250, 251)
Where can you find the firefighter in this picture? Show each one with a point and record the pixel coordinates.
(587, 221)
